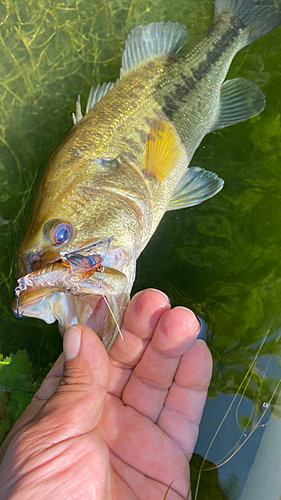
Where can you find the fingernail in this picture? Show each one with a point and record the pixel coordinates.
(71, 343)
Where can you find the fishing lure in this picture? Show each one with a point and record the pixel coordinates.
(66, 274)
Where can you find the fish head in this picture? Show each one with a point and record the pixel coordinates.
(53, 285)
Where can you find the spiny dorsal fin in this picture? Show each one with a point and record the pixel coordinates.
(96, 94)
(240, 100)
(196, 185)
(94, 97)
(77, 116)
(148, 42)
(164, 150)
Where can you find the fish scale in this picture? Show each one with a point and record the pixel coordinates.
(208, 63)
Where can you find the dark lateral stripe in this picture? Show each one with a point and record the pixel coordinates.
(181, 90)
(142, 135)
(132, 144)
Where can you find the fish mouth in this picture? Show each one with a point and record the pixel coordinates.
(71, 293)
(103, 313)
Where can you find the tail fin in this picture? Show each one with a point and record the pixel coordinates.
(260, 16)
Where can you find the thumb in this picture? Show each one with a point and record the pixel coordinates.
(77, 404)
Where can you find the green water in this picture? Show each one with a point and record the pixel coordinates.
(221, 259)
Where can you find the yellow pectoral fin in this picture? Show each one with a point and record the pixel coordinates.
(164, 150)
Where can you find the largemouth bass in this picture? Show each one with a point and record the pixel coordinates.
(126, 162)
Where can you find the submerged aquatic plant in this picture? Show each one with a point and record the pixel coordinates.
(16, 388)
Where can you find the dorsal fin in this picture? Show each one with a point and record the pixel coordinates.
(96, 94)
(148, 42)
(77, 116)
(142, 44)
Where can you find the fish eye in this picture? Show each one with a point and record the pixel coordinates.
(58, 232)
(61, 234)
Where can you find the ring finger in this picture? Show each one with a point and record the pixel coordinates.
(147, 388)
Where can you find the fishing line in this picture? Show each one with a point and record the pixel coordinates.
(249, 372)
(20, 288)
(107, 303)
(258, 424)
(255, 368)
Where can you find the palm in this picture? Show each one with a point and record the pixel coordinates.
(144, 459)
(140, 441)
(155, 400)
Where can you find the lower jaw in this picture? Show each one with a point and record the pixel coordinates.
(94, 312)
(102, 314)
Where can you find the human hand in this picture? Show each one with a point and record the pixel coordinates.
(121, 426)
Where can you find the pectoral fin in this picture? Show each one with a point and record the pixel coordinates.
(239, 101)
(164, 150)
(196, 185)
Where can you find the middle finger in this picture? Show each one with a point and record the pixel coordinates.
(147, 388)
(140, 320)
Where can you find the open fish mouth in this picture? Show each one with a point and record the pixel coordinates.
(76, 289)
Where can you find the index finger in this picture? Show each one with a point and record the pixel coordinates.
(140, 320)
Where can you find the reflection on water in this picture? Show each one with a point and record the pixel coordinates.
(222, 259)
